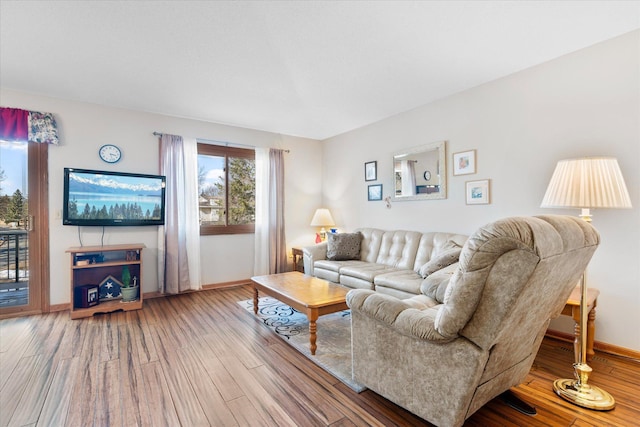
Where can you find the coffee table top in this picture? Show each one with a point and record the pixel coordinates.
(306, 290)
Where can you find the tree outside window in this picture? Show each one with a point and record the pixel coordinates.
(14, 209)
(226, 189)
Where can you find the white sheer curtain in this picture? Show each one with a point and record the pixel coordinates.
(261, 257)
(179, 239)
(270, 242)
(408, 173)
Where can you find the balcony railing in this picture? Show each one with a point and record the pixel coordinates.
(14, 256)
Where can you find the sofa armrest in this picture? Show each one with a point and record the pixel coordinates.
(310, 254)
(396, 314)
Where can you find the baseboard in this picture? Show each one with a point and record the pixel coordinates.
(226, 284)
(150, 295)
(59, 307)
(599, 346)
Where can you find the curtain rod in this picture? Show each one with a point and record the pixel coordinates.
(213, 141)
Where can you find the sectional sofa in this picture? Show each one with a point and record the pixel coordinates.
(400, 263)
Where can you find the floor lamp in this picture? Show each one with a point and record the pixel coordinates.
(592, 182)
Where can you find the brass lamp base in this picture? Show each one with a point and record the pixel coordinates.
(582, 394)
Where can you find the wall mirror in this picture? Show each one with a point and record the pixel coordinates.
(420, 173)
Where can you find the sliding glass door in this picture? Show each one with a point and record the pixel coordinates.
(24, 229)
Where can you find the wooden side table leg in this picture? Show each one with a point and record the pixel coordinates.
(295, 262)
(313, 328)
(591, 331)
(255, 300)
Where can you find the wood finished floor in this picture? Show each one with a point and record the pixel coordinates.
(200, 359)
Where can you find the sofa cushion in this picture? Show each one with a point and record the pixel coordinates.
(440, 261)
(354, 282)
(404, 280)
(435, 285)
(343, 246)
(365, 271)
(325, 264)
(331, 276)
(398, 249)
(371, 241)
(432, 244)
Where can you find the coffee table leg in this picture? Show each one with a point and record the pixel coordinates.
(255, 300)
(313, 327)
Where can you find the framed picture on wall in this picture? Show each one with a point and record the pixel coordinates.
(371, 171)
(464, 163)
(477, 192)
(374, 192)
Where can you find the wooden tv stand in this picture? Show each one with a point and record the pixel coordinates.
(92, 264)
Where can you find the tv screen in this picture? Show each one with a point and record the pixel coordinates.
(112, 198)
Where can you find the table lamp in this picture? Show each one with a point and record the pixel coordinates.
(591, 182)
(322, 218)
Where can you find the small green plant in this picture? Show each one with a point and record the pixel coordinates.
(126, 277)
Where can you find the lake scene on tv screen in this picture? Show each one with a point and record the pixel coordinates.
(94, 196)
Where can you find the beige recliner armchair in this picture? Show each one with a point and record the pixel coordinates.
(443, 360)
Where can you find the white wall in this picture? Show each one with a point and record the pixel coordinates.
(586, 103)
(85, 127)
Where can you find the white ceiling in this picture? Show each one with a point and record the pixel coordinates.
(308, 68)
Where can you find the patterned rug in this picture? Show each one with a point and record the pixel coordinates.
(334, 336)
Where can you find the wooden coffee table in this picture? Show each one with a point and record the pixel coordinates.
(309, 295)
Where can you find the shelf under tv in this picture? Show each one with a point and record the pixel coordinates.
(117, 256)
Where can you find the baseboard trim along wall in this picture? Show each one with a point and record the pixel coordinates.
(600, 346)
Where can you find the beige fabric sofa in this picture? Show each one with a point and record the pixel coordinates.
(389, 261)
(444, 361)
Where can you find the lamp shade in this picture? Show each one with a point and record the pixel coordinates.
(322, 218)
(590, 182)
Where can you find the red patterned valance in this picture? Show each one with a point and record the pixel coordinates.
(30, 126)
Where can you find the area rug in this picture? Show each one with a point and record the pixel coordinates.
(334, 336)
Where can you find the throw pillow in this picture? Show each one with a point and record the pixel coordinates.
(440, 261)
(343, 246)
(436, 285)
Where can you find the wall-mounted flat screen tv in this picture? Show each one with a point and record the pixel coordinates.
(106, 198)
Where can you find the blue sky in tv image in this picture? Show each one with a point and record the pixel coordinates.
(13, 161)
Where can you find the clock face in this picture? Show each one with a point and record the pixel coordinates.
(427, 175)
(110, 153)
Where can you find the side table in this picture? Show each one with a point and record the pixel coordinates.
(572, 308)
(298, 265)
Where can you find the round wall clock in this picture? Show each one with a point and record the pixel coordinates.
(110, 153)
(426, 175)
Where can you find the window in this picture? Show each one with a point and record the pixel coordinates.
(226, 189)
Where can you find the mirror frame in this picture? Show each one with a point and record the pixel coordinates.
(441, 146)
